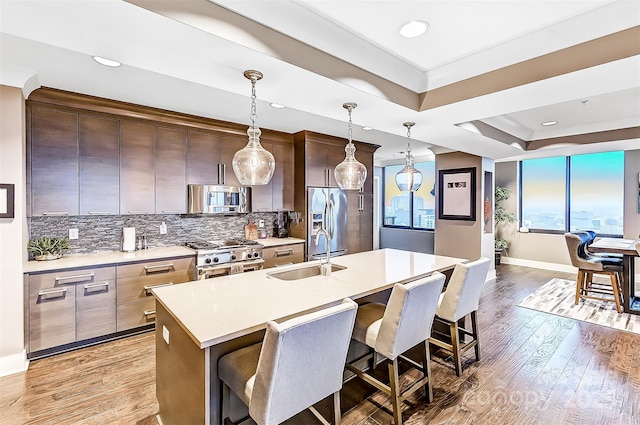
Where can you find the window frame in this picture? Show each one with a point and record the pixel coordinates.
(411, 225)
(567, 201)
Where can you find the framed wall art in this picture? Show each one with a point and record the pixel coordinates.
(457, 194)
(6, 200)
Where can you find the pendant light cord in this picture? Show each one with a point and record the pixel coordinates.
(253, 101)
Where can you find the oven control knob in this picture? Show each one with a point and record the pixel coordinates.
(208, 260)
(233, 257)
(215, 259)
(256, 254)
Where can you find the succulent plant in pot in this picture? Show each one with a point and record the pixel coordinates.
(46, 248)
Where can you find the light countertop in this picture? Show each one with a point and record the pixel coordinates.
(216, 310)
(269, 242)
(105, 258)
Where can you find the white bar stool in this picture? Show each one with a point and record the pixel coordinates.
(300, 362)
(461, 299)
(393, 329)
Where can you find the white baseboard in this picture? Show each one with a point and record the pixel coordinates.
(14, 363)
(538, 264)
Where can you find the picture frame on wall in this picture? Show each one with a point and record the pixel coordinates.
(457, 194)
(6, 200)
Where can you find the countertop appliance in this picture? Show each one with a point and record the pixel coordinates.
(327, 209)
(282, 224)
(218, 199)
(222, 258)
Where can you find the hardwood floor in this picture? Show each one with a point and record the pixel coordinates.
(535, 369)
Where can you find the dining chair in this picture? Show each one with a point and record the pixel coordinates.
(392, 329)
(588, 265)
(459, 300)
(592, 236)
(299, 362)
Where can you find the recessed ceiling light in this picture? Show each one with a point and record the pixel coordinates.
(106, 62)
(277, 106)
(367, 128)
(414, 29)
(548, 123)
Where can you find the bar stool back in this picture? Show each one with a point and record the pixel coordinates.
(461, 299)
(393, 329)
(300, 362)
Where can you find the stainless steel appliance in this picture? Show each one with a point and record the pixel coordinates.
(327, 209)
(217, 199)
(282, 224)
(233, 256)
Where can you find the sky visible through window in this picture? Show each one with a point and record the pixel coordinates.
(596, 193)
(397, 204)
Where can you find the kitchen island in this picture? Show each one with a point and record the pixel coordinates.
(198, 322)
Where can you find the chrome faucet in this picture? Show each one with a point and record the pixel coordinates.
(325, 267)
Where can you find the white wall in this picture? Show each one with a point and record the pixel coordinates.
(13, 232)
(550, 251)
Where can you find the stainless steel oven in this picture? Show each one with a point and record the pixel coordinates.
(215, 259)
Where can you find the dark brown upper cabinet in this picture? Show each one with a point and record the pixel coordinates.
(53, 162)
(98, 142)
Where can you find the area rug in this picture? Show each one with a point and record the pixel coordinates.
(558, 297)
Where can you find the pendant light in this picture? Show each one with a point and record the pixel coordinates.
(253, 165)
(350, 174)
(409, 178)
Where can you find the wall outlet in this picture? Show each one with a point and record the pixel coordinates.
(73, 233)
(165, 334)
(260, 223)
(163, 228)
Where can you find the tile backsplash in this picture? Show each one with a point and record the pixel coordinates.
(104, 233)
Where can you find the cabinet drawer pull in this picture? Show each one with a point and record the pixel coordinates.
(159, 268)
(104, 285)
(55, 212)
(53, 293)
(99, 212)
(171, 212)
(75, 277)
(138, 211)
(148, 288)
(284, 252)
(148, 313)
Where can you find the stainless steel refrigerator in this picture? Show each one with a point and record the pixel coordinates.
(326, 209)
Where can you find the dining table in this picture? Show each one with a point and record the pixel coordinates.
(630, 250)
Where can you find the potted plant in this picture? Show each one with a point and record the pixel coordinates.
(46, 248)
(501, 216)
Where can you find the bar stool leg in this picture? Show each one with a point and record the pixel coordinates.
(579, 285)
(616, 294)
(426, 370)
(394, 383)
(474, 330)
(455, 343)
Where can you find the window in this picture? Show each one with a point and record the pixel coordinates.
(406, 209)
(563, 194)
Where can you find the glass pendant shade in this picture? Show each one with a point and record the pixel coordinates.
(409, 179)
(350, 174)
(253, 165)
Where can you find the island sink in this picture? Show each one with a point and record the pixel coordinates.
(302, 272)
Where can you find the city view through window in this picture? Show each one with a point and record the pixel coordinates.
(594, 185)
(406, 209)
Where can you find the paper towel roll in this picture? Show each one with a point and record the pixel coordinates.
(129, 239)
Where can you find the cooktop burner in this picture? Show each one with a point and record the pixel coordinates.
(201, 245)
